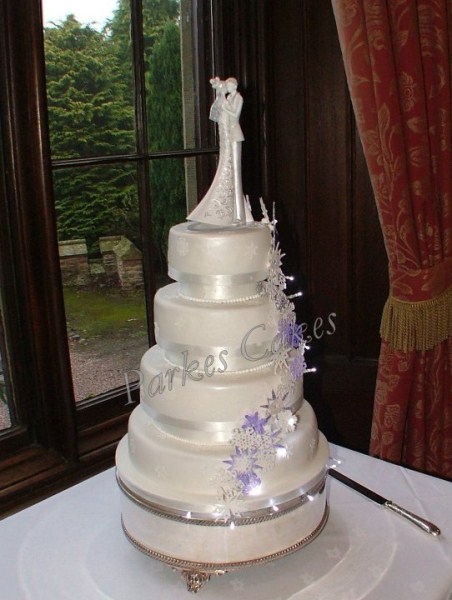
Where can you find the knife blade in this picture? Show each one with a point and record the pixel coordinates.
(423, 524)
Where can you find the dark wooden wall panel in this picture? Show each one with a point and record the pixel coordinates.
(286, 130)
(370, 271)
(328, 190)
(328, 222)
(302, 153)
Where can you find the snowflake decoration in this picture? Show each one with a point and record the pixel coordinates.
(281, 418)
(283, 304)
(182, 246)
(244, 438)
(267, 457)
(249, 480)
(132, 444)
(243, 463)
(275, 404)
(286, 421)
(251, 250)
(258, 442)
(255, 422)
(290, 332)
(286, 387)
(276, 280)
(281, 358)
(298, 365)
(229, 497)
(287, 310)
(273, 318)
(276, 256)
(276, 407)
(160, 471)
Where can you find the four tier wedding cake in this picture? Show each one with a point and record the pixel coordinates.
(223, 465)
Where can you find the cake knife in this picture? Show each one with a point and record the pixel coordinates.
(371, 495)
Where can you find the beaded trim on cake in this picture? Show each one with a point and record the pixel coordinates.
(182, 564)
(221, 300)
(276, 510)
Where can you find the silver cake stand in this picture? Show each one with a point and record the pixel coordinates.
(196, 574)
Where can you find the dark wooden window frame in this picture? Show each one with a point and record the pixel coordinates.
(56, 443)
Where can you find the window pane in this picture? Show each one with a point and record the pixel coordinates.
(170, 80)
(101, 265)
(168, 203)
(5, 400)
(89, 78)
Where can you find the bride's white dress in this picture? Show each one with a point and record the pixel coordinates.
(219, 205)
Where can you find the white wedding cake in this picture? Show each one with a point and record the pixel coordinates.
(223, 465)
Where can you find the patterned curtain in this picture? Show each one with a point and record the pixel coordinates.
(398, 62)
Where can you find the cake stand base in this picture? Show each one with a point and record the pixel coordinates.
(196, 574)
(195, 580)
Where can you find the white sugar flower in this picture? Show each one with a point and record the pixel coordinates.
(286, 421)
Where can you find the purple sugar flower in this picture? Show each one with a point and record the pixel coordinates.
(243, 464)
(256, 423)
(242, 461)
(249, 481)
(291, 333)
(297, 366)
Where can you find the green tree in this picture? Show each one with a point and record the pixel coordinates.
(89, 81)
(85, 92)
(156, 14)
(164, 88)
(88, 116)
(164, 105)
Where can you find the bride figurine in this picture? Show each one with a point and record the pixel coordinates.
(224, 203)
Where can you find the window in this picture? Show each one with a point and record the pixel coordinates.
(6, 405)
(109, 175)
(52, 165)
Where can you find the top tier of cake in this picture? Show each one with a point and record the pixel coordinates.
(218, 265)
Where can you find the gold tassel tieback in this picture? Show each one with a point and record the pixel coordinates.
(422, 325)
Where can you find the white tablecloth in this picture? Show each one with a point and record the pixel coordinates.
(71, 546)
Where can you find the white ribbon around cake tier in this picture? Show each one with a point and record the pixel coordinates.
(244, 359)
(207, 432)
(216, 431)
(217, 280)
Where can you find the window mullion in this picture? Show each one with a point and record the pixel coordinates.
(142, 146)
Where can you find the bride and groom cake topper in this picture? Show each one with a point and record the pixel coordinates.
(224, 203)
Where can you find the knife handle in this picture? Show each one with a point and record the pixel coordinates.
(415, 519)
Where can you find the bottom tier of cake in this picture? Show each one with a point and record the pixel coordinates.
(199, 540)
(202, 547)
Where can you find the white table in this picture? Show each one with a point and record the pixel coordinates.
(71, 546)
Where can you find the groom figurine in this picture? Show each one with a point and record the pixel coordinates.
(233, 108)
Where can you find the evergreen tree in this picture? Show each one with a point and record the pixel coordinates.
(164, 88)
(88, 116)
(89, 83)
(85, 88)
(156, 14)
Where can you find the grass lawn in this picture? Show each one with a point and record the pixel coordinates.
(102, 313)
